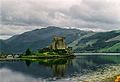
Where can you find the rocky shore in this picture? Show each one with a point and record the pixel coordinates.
(106, 74)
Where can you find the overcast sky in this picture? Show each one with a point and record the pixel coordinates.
(18, 16)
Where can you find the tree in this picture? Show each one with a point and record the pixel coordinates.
(28, 52)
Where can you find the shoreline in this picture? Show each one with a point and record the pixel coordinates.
(108, 74)
(38, 57)
(47, 57)
(104, 54)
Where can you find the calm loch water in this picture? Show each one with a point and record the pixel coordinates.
(53, 69)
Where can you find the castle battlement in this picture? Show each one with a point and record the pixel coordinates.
(58, 43)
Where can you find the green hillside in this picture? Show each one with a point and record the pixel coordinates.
(114, 48)
(97, 42)
(81, 41)
(39, 38)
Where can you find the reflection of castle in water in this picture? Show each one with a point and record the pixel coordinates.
(58, 66)
(60, 69)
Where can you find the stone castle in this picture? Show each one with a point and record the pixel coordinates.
(58, 43)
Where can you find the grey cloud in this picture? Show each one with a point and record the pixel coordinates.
(88, 14)
(25, 13)
(10, 30)
(97, 15)
(43, 12)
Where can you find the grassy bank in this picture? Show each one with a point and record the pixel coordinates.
(47, 56)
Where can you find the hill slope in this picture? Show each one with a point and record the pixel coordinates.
(81, 41)
(39, 38)
(108, 41)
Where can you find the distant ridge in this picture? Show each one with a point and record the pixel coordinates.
(38, 38)
(81, 41)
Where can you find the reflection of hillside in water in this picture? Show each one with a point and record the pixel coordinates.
(84, 64)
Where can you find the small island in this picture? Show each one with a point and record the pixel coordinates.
(58, 49)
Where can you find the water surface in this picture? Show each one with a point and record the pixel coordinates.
(53, 69)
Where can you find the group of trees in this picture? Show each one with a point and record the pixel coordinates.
(50, 51)
(28, 52)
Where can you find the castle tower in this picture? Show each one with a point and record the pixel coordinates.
(58, 43)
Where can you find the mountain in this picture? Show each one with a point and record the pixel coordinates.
(3, 46)
(81, 41)
(99, 42)
(39, 38)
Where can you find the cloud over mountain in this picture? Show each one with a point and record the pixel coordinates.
(97, 15)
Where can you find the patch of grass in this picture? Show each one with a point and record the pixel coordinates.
(114, 48)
